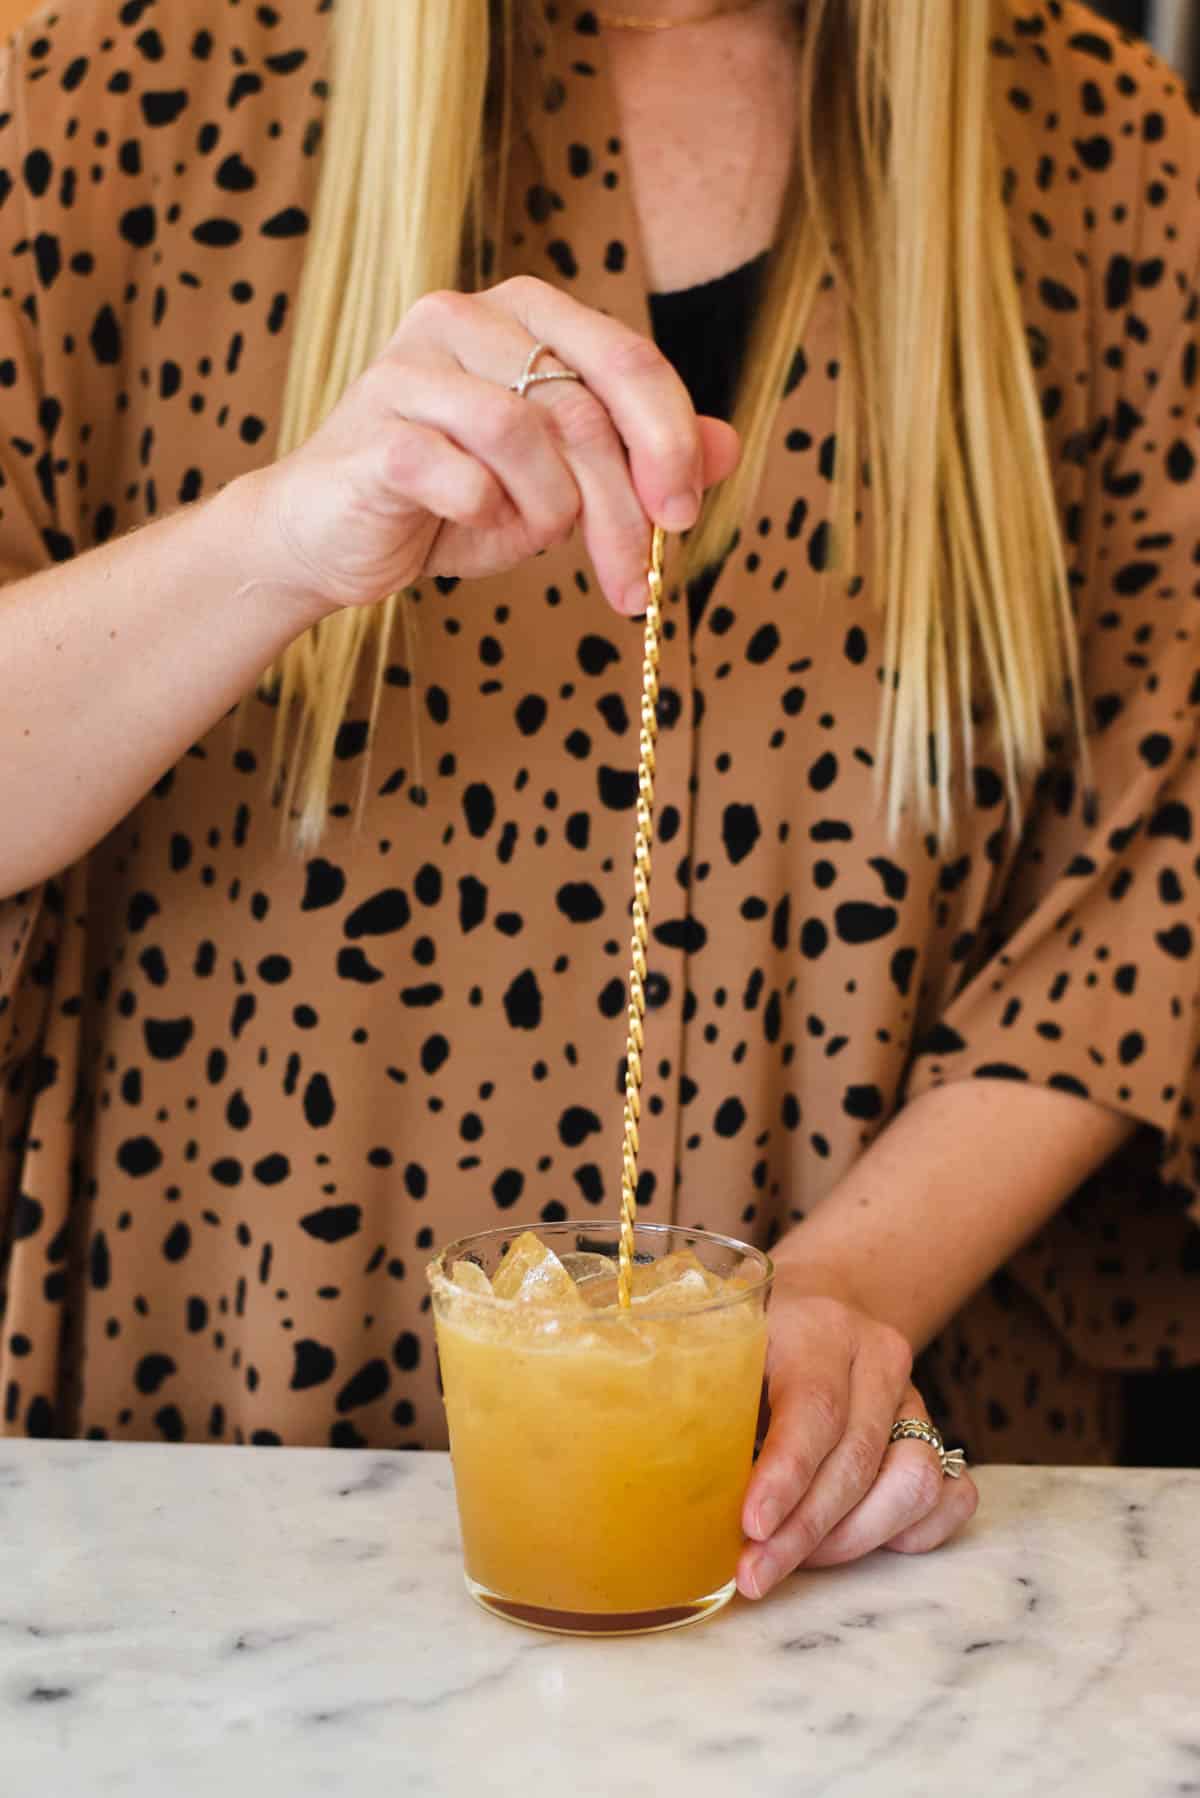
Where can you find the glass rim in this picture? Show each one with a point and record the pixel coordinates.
(435, 1272)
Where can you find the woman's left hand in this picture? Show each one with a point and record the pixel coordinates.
(829, 1486)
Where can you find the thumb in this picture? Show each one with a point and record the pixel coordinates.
(721, 447)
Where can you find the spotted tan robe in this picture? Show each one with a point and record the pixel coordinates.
(242, 1095)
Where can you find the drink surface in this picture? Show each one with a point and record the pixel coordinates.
(601, 1454)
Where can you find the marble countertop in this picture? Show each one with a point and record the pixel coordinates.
(186, 1621)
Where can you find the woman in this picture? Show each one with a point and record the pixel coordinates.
(302, 974)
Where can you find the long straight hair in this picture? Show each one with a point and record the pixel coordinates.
(941, 459)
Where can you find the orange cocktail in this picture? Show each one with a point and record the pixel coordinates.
(601, 1456)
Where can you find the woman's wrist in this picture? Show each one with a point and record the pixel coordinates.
(267, 569)
(810, 1276)
(802, 1272)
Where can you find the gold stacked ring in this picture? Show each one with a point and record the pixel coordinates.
(918, 1429)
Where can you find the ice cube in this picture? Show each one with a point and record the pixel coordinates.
(594, 1275)
(471, 1277)
(681, 1264)
(690, 1289)
(531, 1273)
(582, 1266)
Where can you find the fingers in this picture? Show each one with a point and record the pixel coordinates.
(554, 453)
(448, 483)
(844, 1476)
(430, 463)
(500, 432)
(830, 1485)
(956, 1506)
(810, 1351)
(610, 451)
(616, 531)
(807, 1419)
(908, 1489)
(555, 450)
(626, 430)
(721, 448)
(636, 385)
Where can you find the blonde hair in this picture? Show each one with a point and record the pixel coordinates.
(897, 180)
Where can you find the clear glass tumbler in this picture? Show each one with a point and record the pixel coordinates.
(601, 1456)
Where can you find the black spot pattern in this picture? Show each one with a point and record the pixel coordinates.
(249, 1093)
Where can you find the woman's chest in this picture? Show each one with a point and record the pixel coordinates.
(707, 130)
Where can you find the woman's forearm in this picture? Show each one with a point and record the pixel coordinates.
(112, 665)
(959, 1179)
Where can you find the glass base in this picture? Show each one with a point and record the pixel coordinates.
(599, 1623)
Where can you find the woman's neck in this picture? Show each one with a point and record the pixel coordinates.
(708, 141)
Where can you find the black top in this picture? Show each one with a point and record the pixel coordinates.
(703, 331)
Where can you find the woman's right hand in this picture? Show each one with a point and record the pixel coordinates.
(430, 465)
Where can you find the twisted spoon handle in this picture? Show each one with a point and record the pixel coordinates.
(651, 650)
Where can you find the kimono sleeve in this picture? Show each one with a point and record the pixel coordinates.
(29, 540)
(1093, 990)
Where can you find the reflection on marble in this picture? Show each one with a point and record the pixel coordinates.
(188, 1621)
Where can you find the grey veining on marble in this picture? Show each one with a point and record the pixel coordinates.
(183, 1621)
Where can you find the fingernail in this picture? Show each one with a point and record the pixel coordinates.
(681, 511)
(747, 1583)
(767, 1519)
(636, 599)
(762, 1575)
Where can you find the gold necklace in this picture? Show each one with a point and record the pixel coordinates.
(618, 21)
